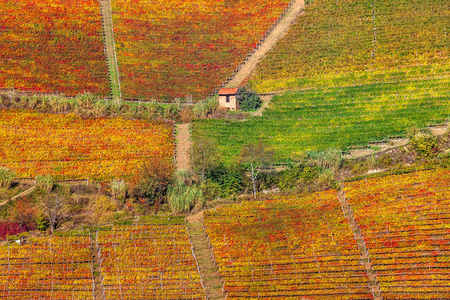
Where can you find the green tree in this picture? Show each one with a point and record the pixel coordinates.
(255, 156)
(204, 155)
(248, 100)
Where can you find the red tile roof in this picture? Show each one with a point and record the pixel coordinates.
(228, 91)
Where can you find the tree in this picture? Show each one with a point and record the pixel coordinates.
(24, 213)
(256, 156)
(55, 208)
(248, 100)
(154, 178)
(204, 155)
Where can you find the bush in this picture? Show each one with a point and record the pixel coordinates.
(10, 228)
(424, 144)
(42, 223)
(154, 178)
(230, 180)
(248, 100)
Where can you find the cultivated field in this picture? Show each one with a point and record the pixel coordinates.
(153, 259)
(167, 50)
(50, 268)
(71, 147)
(52, 46)
(405, 220)
(302, 246)
(354, 73)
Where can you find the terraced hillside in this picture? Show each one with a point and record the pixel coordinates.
(355, 71)
(52, 46)
(303, 246)
(168, 49)
(405, 220)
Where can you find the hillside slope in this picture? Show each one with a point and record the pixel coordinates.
(355, 72)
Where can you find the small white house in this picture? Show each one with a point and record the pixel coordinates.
(227, 99)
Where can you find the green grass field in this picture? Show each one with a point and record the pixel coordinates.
(350, 72)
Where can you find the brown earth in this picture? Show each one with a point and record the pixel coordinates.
(183, 144)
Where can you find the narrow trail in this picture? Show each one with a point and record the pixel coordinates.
(365, 256)
(183, 144)
(211, 279)
(110, 48)
(98, 291)
(277, 33)
(24, 193)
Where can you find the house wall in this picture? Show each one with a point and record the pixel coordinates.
(233, 104)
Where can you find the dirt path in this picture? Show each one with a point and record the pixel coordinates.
(98, 291)
(183, 144)
(110, 48)
(24, 193)
(365, 256)
(211, 279)
(277, 33)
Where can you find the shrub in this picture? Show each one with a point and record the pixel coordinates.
(424, 144)
(154, 178)
(42, 223)
(10, 228)
(248, 100)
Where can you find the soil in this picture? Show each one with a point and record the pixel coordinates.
(277, 33)
(202, 250)
(183, 142)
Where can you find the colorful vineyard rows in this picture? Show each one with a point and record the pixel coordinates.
(51, 268)
(52, 46)
(71, 147)
(153, 259)
(168, 49)
(405, 220)
(287, 248)
(347, 42)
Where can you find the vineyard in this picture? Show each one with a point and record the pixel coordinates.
(302, 246)
(54, 268)
(152, 258)
(354, 72)
(71, 147)
(350, 43)
(167, 50)
(405, 221)
(335, 117)
(52, 46)
(287, 248)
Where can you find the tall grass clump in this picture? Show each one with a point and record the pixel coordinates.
(6, 177)
(183, 194)
(45, 182)
(118, 190)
